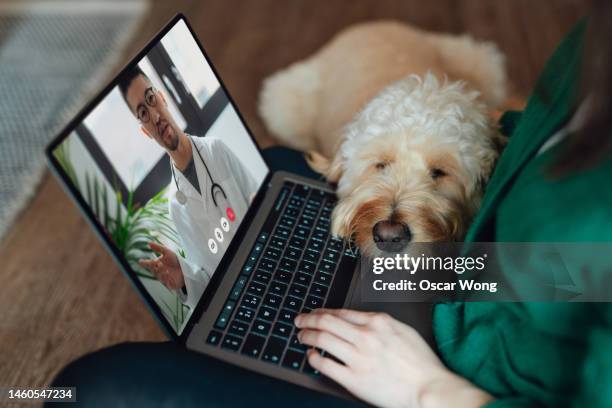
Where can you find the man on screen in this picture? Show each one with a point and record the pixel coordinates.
(212, 190)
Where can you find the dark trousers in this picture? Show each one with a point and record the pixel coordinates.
(168, 375)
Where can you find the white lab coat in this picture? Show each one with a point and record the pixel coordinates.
(197, 219)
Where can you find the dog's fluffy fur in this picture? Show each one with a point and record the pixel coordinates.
(398, 118)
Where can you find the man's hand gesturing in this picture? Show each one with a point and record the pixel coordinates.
(165, 267)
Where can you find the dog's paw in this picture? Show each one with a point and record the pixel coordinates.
(330, 169)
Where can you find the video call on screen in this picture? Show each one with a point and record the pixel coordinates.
(170, 214)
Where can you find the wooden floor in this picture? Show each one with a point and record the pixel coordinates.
(62, 296)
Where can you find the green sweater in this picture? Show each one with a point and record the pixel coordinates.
(537, 354)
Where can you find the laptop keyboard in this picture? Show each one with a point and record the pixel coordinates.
(295, 266)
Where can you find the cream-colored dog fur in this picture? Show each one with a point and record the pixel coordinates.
(398, 118)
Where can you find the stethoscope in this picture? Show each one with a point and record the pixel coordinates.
(182, 198)
(213, 244)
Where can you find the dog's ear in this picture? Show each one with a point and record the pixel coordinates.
(332, 170)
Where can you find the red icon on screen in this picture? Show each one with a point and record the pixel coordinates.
(230, 214)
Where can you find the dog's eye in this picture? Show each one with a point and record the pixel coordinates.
(381, 165)
(437, 173)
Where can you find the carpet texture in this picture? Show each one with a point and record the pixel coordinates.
(54, 55)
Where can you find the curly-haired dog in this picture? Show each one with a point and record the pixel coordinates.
(398, 118)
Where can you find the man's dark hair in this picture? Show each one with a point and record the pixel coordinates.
(126, 80)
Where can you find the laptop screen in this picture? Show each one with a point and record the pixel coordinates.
(169, 170)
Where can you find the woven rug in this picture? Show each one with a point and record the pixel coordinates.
(54, 55)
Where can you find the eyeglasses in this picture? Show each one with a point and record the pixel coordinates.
(142, 112)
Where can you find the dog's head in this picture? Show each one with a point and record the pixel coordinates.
(411, 166)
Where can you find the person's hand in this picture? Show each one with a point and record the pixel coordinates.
(165, 267)
(386, 362)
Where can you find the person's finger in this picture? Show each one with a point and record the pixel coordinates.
(160, 249)
(331, 343)
(330, 368)
(380, 321)
(147, 264)
(154, 266)
(326, 321)
(352, 316)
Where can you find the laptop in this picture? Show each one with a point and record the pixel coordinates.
(251, 248)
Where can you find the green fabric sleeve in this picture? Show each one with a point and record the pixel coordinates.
(595, 389)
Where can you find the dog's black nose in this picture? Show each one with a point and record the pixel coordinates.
(391, 236)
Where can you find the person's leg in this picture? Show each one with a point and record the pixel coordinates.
(166, 374)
